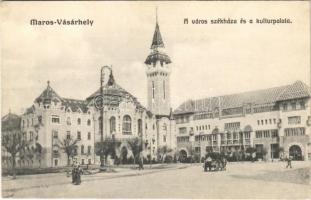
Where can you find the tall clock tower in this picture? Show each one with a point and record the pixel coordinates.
(158, 76)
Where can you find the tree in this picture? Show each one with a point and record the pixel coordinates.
(106, 147)
(136, 146)
(39, 153)
(68, 145)
(13, 142)
(30, 153)
(162, 151)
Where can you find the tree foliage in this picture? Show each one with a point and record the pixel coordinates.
(162, 151)
(69, 145)
(13, 142)
(136, 146)
(106, 147)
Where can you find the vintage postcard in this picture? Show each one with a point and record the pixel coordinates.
(175, 100)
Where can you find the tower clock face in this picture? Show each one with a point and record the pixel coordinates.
(105, 74)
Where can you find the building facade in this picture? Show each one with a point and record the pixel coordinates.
(52, 118)
(273, 121)
(268, 120)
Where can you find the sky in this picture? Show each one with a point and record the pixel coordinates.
(207, 59)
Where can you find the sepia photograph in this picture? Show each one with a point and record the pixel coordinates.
(155, 99)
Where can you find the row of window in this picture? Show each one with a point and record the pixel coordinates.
(264, 109)
(267, 133)
(232, 125)
(126, 125)
(294, 105)
(294, 120)
(56, 120)
(68, 135)
(203, 127)
(266, 121)
(182, 119)
(294, 131)
(203, 116)
(183, 139)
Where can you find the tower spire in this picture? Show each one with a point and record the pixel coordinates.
(157, 38)
(157, 14)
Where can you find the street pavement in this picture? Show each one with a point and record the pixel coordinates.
(240, 180)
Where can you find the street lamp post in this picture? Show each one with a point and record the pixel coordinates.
(102, 110)
(191, 133)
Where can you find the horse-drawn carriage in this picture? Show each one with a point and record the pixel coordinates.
(215, 162)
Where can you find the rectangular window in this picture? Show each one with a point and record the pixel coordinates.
(79, 135)
(68, 135)
(89, 149)
(89, 135)
(30, 135)
(55, 119)
(89, 161)
(82, 161)
(266, 133)
(55, 134)
(294, 120)
(183, 130)
(293, 105)
(164, 138)
(258, 134)
(274, 133)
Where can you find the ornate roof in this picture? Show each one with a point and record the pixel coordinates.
(155, 56)
(10, 122)
(268, 96)
(157, 38)
(114, 94)
(75, 104)
(48, 95)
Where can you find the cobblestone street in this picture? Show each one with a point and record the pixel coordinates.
(241, 180)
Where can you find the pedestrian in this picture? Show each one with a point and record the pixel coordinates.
(289, 162)
(73, 171)
(141, 161)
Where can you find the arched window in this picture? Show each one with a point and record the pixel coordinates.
(112, 123)
(89, 122)
(127, 125)
(68, 121)
(140, 127)
(79, 121)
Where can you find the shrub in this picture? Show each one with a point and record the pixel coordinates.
(168, 159)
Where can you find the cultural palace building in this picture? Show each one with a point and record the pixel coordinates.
(266, 119)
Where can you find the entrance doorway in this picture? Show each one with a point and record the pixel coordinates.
(295, 152)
